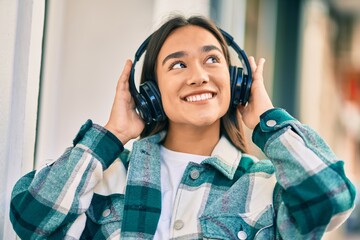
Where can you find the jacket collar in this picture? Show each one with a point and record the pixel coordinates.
(225, 156)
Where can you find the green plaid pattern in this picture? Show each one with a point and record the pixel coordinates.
(98, 190)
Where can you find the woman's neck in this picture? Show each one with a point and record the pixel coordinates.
(192, 139)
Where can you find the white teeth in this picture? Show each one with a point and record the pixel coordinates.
(200, 97)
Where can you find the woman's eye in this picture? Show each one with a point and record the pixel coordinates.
(212, 59)
(177, 65)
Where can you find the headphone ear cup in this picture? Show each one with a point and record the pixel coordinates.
(151, 94)
(142, 108)
(140, 102)
(236, 80)
(245, 89)
(232, 73)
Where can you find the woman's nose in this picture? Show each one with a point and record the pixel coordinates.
(198, 76)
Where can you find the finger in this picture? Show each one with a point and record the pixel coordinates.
(252, 63)
(124, 77)
(260, 65)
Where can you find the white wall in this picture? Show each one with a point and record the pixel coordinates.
(21, 25)
(87, 44)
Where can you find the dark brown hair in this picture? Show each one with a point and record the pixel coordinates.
(231, 123)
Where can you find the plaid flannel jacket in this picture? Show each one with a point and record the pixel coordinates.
(97, 190)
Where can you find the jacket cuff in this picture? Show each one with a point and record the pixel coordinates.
(271, 122)
(105, 146)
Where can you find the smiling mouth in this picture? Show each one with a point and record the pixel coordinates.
(199, 97)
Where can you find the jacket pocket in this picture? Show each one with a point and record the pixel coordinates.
(106, 209)
(251, 225)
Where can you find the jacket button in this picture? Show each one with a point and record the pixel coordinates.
(179, 224)
(106, 213)
(242, 235)
(270, 123)
(194, 174)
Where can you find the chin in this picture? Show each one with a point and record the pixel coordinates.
(204, 121)
(198, 118)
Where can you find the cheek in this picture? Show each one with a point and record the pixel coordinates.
(227, 99)
(226, 88)
(168, 93)
(172, 108)
(168, 97)
(166, 103)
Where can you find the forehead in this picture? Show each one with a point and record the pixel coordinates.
(187, 38)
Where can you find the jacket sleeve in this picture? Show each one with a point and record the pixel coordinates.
(51, 202)
(314, 193)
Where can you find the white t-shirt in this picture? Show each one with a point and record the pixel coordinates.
(173, 165)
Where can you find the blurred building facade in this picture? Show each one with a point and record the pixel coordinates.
(312, 70)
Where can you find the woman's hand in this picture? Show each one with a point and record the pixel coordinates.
(124, 122)
(259, 100)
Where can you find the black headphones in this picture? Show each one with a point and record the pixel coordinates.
(148, 99)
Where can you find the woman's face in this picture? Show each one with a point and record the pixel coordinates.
(193, 77)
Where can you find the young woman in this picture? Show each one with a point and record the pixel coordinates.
(189, 176)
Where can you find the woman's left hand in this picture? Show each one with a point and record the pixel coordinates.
(259, 100)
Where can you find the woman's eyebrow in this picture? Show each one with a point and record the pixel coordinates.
(208, 48)
(174, 55)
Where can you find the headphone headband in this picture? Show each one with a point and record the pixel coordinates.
(241, 53)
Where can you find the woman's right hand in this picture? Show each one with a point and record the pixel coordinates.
(259, 101)
(124, 122)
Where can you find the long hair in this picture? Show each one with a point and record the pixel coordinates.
(231, 123)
